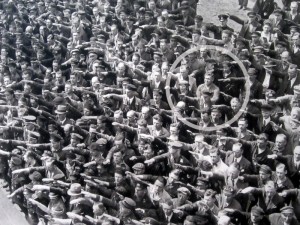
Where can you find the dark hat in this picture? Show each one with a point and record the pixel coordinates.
(75, 189)
(131, 87)
(287, 209)
(149, 12)
(282, 43)
(61, 109)
(138, 166)
(55, 137)
(251, 14)
(76, 136)
(266, 107)
(36, 176)
(278, 11)
(199, 17)
(58, 100)
(222, 17)
(175, 144)
(158, 53)
(128, 203)
(255, 34)
(197, 219)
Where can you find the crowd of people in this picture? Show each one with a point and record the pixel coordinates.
(87, 133)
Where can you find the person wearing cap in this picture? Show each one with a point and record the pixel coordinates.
(217, 30)
(248, 26)
(183, 195)
(172, 157)
(254, 217)
(286, 216)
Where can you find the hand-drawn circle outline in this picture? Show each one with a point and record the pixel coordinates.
(247, 87)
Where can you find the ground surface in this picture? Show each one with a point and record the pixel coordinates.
(210, 9)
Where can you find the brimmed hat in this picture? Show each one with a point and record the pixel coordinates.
(61, 109)
(36, 176)
(75, 189)
(128, 203)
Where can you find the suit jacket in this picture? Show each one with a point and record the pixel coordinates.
(293, 172)
(245, 165)
(289, 88)
(275, 204)
(296, 18)
(276, 219)
(245, 31)
(296, 57)
(264, 8)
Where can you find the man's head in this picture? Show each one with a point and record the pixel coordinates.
(270, 189)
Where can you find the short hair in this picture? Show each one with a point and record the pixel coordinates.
(281, 166)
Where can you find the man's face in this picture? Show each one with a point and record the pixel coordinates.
(158, 188)
(280, 173)
(297, 154)
(214, 157)
(225, 37)
(118, 178)
(235, 105)
(270, 191)
(223, 23)
(292, 71)
(117, 158)
(139, 192)
(242, 125)
(157, 124)
(208, 80)
(182, 197)
(278, 17)
(280, 142)
(149, 154)
(264, 176)
(287, 217)
(237, 151)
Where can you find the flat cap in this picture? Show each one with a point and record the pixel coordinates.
(175, 144)
(138, 166)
